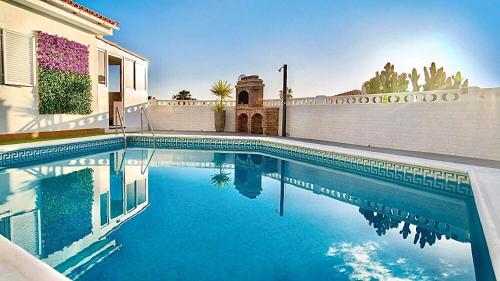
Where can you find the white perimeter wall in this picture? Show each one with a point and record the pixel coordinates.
(468, 126)
(188, 117)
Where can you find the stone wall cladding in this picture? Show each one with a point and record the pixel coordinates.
(271, 124)
(270, 117)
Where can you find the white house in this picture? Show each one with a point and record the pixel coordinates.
(37, 35)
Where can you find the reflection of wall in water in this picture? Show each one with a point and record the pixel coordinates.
(248, 172)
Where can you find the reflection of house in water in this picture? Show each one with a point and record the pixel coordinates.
(62, 212)
(248, 171)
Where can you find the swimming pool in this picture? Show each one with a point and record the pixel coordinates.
(184, 214)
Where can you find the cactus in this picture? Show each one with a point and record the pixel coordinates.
(402, 84)
(387, 81)
(465, 84)
(457, 80)
(435, 79)
(427, 76)
(414, 76)
(448, 84)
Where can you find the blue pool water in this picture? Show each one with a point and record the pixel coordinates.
(145, 214)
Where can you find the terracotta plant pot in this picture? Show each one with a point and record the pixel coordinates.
(220, 120)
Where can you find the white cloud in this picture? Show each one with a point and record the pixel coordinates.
(362, 263)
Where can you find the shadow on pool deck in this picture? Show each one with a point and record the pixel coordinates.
(408, 153)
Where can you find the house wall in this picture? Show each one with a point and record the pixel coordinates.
(133, 99)
(19, 105)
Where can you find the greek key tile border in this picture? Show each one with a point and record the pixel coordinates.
(59, 151)
(453, 182)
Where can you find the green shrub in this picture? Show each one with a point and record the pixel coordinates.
(64, 92)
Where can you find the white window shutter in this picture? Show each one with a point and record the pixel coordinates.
(18, 64)
(1, 57)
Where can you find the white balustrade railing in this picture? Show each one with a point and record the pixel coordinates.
(389, 98)
(434, 96)
(272, 102)
(193, 102)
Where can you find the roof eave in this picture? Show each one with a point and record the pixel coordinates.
(71, 15)
(116, 45)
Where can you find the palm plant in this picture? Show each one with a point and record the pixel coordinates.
(289, 94)
(222, 90)
(221, 179)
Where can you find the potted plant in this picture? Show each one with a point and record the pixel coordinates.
(222, 90)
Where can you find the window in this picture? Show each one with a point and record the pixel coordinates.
(131, 196)
(1, 59)
(101, 61)
(129, 74)
(17, 64)
(140, 77)
(103, 198)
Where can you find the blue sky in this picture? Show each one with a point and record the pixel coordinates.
(329, 46)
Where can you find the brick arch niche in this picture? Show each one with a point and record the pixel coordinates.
(251, 114)
(256, 123)
(242, 123)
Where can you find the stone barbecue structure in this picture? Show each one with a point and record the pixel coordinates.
(251, 115)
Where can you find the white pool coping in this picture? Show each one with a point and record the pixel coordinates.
(19, 146)
(485, 184)
(18, 265)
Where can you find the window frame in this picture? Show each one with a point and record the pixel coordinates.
(106, 71)
(1, 56)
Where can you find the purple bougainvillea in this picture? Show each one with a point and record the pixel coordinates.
(60, 54)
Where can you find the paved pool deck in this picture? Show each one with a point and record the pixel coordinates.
(408, 153)
(484, 176)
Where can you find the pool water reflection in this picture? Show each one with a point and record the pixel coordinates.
(141, 214)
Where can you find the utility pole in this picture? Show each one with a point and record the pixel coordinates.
(285, 94)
